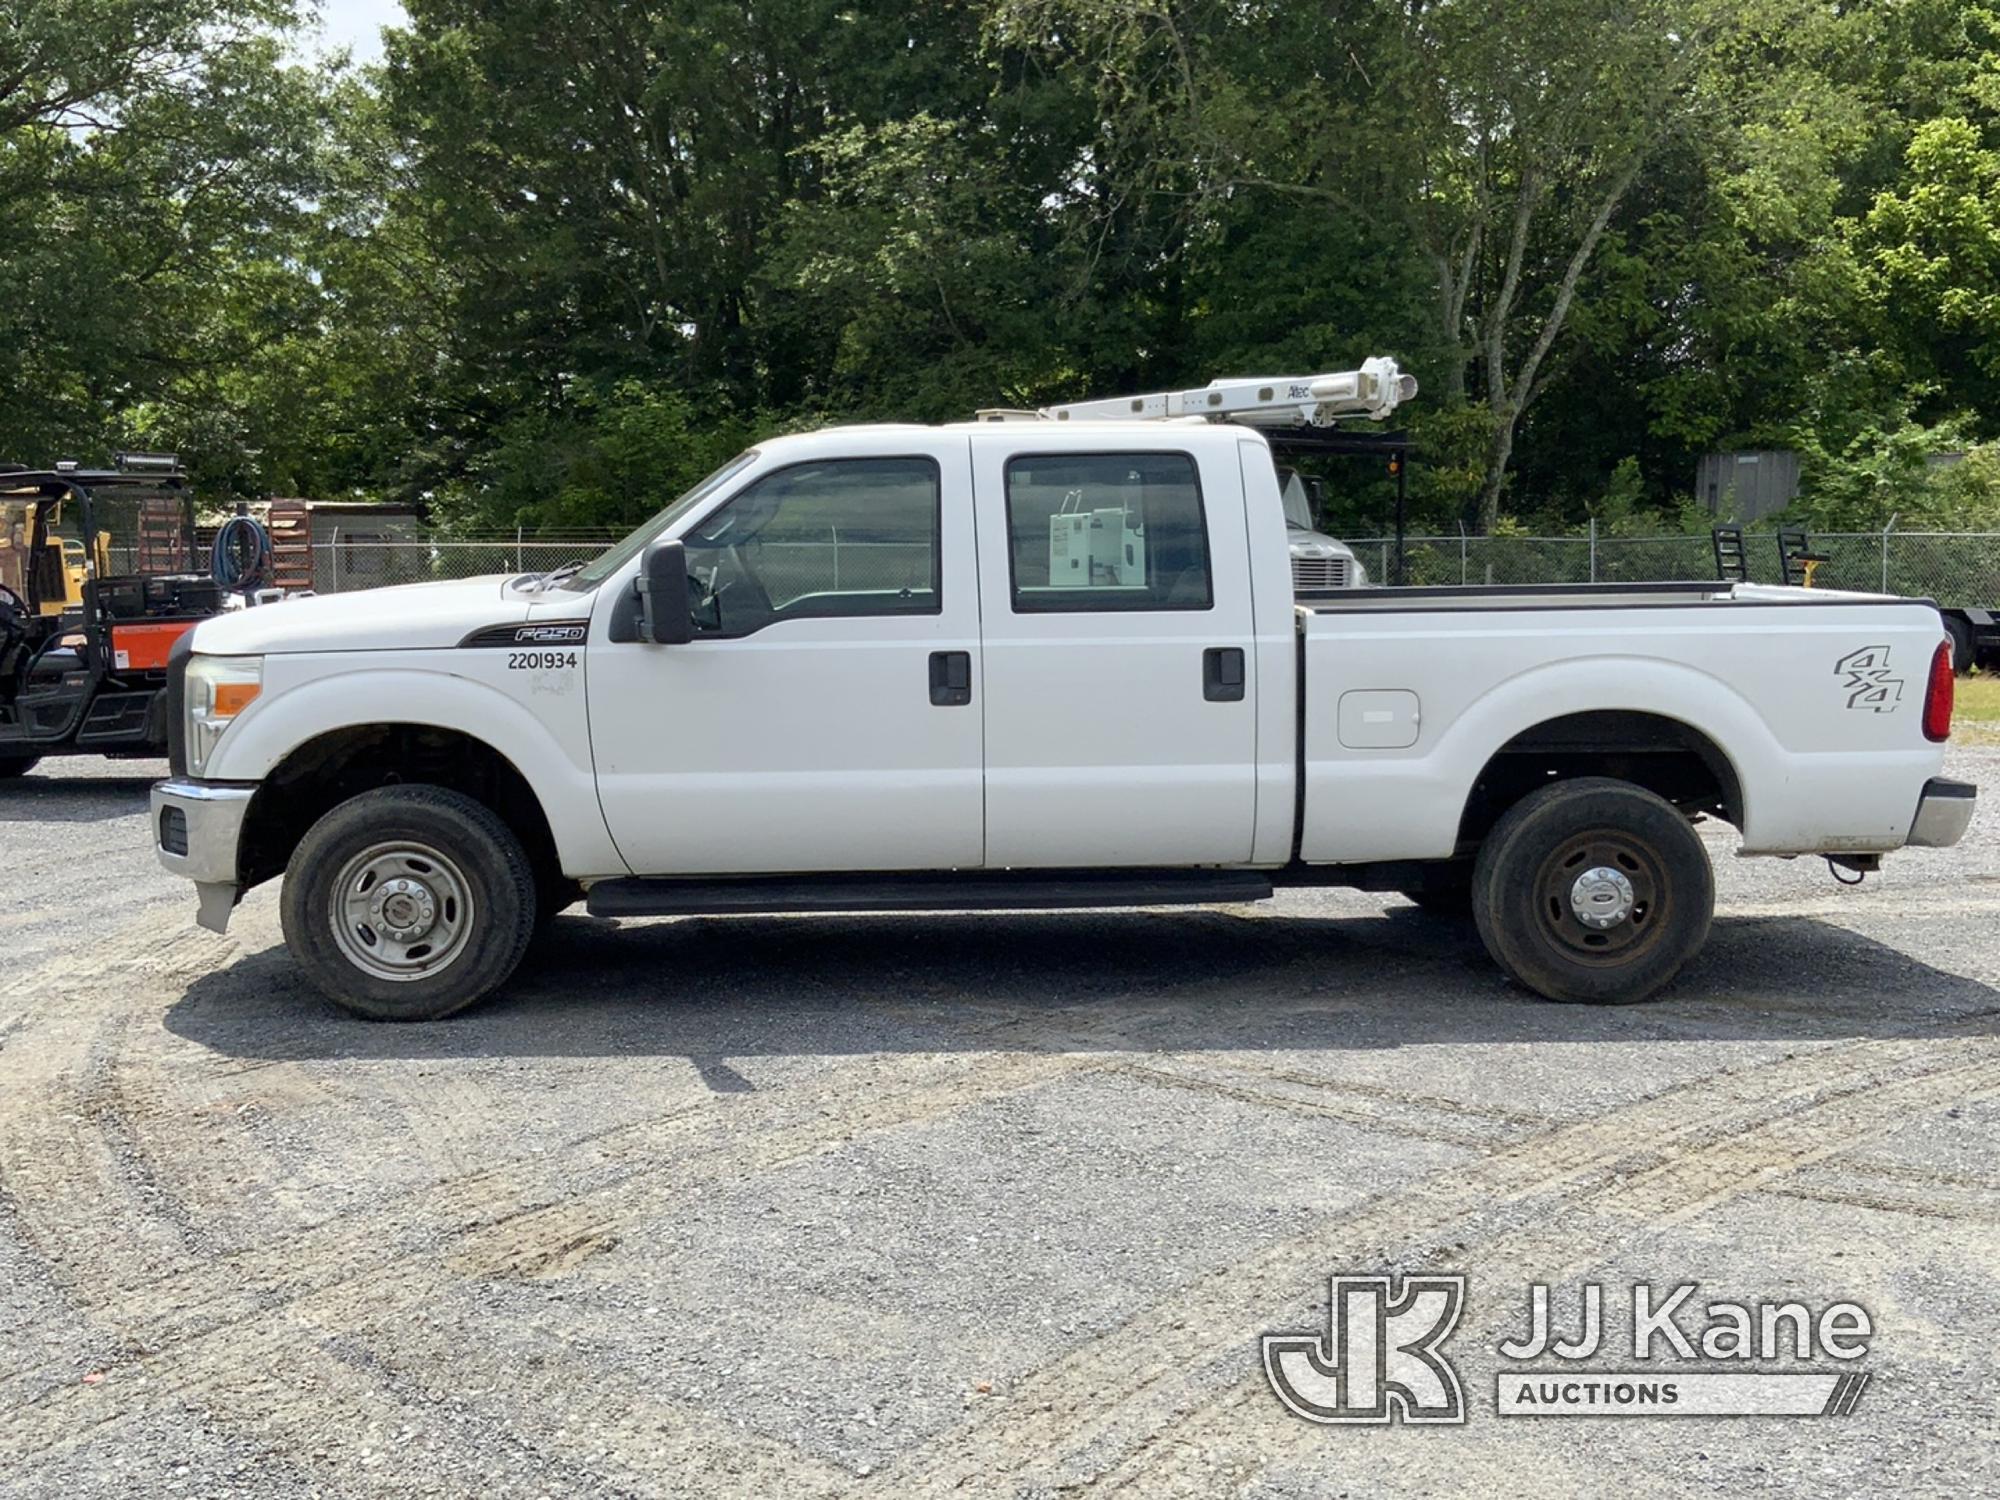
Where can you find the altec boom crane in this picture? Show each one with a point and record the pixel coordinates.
(1373, 391)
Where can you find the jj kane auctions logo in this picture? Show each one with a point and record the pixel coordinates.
(1380, 1357)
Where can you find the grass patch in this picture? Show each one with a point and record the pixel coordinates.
(1975, 714)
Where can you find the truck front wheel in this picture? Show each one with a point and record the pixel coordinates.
(408, 903)
(1593, 890)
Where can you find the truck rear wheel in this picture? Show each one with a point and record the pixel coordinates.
(1594, 890)
(17, 765)
(408, 903)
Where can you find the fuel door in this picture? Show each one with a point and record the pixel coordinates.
(1378, 719)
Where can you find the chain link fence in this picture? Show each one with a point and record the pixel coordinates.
(1959, 568)
(1951, 567)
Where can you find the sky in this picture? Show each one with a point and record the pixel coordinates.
(357, 24)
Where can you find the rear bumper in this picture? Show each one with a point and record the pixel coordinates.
(197, 827)
(1943, 813)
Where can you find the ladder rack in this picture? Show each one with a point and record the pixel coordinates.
(1373, 391)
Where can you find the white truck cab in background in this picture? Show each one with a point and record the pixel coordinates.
(1026, 664)
(1318, 560)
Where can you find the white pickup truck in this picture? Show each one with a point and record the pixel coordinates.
(1026, 664)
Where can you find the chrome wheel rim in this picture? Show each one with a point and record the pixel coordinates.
(1602, 897)
(401, 911)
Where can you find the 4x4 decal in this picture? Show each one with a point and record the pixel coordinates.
(1869, 683)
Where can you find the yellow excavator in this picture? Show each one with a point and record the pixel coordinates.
(30, 543)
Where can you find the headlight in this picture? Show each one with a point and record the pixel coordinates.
(218, 689)
(1360, 574)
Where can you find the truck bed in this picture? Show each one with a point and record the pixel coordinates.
(1809, 703)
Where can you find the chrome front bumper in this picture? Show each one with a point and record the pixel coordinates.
(1943, 813)
(196, 828)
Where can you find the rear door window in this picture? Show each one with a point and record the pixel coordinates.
(1106, 531)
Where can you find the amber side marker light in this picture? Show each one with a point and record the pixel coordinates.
(231, 698)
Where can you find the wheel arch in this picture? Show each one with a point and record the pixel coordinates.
(321, 772)
(1664, 754)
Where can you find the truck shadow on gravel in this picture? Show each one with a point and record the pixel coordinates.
(709, 990)
(36, 798)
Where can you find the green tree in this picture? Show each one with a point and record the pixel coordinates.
(157, 162)
(1931, 249)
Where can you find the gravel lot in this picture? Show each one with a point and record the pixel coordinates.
(979, 1205)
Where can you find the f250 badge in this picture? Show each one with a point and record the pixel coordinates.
(566, 634)
(1868, 682)
(541, 633)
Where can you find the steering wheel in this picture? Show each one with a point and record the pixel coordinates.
(747, 584)
(746, 588)
(706, 594)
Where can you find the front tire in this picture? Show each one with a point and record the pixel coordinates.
(1593, 891)
(408, 903)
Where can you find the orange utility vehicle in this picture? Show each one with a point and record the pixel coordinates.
(83, 646)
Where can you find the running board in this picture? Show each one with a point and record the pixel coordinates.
(974, 890)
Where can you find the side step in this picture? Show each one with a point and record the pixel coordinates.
(970, 890)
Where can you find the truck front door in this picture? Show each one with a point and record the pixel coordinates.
(1119, 682)
(825, 717)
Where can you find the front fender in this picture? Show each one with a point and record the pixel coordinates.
(304, 699)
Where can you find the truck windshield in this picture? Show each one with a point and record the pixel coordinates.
(594, 573)
(1298, 504)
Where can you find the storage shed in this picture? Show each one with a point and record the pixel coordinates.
(1747, 485)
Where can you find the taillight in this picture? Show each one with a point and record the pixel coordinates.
(1937, 695)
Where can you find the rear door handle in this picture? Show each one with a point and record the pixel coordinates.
(951, 678)
(1222, 674)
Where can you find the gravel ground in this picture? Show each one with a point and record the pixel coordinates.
(978, 1205)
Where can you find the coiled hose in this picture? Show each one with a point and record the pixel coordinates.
(242, 556)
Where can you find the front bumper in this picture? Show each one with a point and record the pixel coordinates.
(197, 826)
(1943, 813)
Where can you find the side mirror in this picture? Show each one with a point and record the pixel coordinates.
(664, 612)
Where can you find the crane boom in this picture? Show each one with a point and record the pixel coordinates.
(1373, 391)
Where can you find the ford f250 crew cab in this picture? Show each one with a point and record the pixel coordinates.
(1025, 664)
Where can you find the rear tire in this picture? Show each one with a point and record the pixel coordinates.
(408, 903)
(17, 765)
(1593, 891)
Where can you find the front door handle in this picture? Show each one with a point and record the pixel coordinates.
(1222, 674)
(951, 678)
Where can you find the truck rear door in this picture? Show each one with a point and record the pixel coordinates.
(1121, 704)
